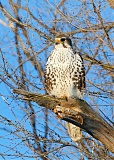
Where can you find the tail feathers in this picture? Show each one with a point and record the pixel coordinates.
(74, 132)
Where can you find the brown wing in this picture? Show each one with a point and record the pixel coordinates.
(49, 75)
(79, 73)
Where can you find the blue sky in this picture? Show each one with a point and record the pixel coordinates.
(16, 110)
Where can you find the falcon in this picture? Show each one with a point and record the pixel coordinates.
(65, 76)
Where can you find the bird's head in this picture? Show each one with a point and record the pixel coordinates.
(62, 40)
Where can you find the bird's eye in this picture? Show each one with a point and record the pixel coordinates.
(63, 39)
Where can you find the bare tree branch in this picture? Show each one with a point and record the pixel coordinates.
(111, 2)
(101, 21)
(22, 24)
(97, 62)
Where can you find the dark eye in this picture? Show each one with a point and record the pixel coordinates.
(63, 39)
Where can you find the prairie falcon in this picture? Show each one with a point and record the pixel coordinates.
(65, 76)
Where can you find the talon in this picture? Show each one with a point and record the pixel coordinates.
(59, 116)
(58, 109)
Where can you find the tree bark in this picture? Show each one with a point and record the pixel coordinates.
(111, 2)
(77, 112)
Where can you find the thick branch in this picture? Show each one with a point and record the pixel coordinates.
(78, 112)
(111, 2)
